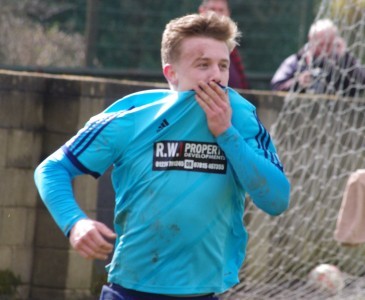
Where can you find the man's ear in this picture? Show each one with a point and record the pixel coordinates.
(170, 74)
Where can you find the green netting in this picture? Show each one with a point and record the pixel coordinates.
(130, 32)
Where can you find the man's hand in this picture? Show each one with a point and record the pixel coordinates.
(215, 103)
(305, 79)
(339, 46)
(89, 238)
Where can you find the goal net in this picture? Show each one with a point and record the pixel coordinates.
(321, 141)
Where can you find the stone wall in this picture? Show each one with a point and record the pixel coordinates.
(38, 113)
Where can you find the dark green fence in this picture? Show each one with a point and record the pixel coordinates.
(122, 36)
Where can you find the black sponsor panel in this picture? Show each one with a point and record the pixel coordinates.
(189, 156)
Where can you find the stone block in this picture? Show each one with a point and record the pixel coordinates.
(8, 195)
(5, 257)
(61, 113)
(37, 149)
(17, 226)
(32, 111)
(8, 80)
(22, 263)
(66, 86)
(50, 268)
(118, 89)
(27, 82)
(86, 192)
(43, 293)
(106, 216)
(17, 188)
(53, 141)
(11, 112)
(80, 271)
(3, 146)
(23, 291)
(21, 110)
(80, 294)
(93, 88)
(88, 108)
(47, 233)
(106, 200)
(91, 214)
(23, 148)
(30, 229)
(106, 194)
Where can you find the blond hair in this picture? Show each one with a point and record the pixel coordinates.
(209, 25)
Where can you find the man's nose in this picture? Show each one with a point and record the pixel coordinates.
(216, 74)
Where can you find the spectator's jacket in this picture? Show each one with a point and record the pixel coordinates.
(331, 75)
(237, 76)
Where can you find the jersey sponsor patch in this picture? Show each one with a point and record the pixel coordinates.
(189, 156)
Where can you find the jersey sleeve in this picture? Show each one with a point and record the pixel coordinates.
(283, 78)
(91, 151)
(96, 147)
(252, 155)
(53, 179)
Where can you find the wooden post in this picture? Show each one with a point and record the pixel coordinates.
(92, 25)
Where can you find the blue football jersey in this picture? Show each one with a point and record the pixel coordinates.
(179, 190)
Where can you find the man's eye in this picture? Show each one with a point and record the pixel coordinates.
(224, 67)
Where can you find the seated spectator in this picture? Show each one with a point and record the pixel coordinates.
(323, 65)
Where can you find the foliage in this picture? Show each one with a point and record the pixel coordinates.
(8, 282)
(27, 42)
(349, 17)
(350, 10)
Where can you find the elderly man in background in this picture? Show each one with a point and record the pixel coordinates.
(323, 66)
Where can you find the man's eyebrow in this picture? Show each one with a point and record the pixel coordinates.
(202, 58)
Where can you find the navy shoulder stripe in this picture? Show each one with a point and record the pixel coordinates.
(261, 136)
(92, 131)
(90, 134)
(77, 163)
(263, 140)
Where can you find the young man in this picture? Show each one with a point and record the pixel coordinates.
(183, 161)
(237, 76)
(322, 66)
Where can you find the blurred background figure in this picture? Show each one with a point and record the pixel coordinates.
(237, 76)
(324, 64)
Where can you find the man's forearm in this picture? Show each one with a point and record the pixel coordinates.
(54, 183)
(264, 181)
